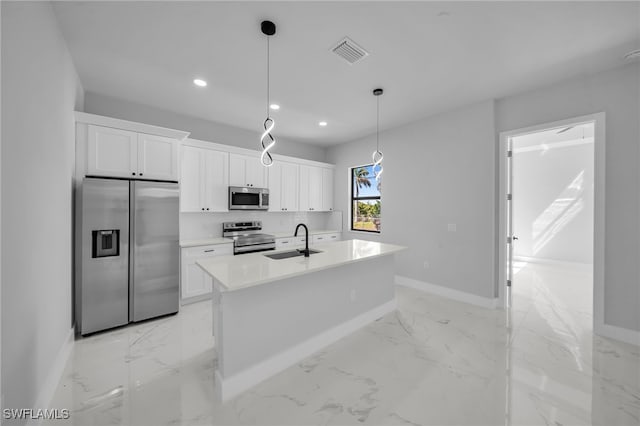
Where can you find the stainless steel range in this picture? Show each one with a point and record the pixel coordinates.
(247, 237)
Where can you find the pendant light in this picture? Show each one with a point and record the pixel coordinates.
(267, 140)
(377, 154)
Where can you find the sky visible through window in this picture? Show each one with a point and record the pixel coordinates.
(364, 190)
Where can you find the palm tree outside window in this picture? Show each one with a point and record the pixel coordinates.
(365, 199)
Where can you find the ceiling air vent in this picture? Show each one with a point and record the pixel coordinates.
(348, 50)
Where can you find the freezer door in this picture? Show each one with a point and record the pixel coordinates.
(104, 281)
(154, 262)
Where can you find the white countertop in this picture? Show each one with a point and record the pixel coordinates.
(248, 270)
(221, 240)
(205, 242)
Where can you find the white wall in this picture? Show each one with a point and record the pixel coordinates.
(617, 93)
(40, 91)
(453, 156)
(553, 195)
(200, 129)
(437, 171)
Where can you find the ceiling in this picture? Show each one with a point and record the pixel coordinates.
(428, 56)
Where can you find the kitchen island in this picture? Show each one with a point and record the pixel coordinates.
(270, 314)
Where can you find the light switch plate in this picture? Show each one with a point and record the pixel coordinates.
(452, 227)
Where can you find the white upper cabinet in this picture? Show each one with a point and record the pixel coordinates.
(327, 189)
(216, 186)
(204, 181)
(283, 186)
(290, 186)
(157, 157)
(245, 170)
(310, 188)
(122, 153)
(191, 180)
(112, 152)
(316, 188)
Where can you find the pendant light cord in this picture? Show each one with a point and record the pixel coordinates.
(268, 67)
(266, 139)
(377, 156)
(377, 123)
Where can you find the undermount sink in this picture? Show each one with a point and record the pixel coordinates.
(288, 254)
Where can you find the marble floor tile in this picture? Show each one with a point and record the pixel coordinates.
(433, 361)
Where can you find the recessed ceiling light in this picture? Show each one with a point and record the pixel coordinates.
(634, 54)
(274, 107)
(199, 82)
(322, 123)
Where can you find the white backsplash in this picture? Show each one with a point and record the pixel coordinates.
(195, 226)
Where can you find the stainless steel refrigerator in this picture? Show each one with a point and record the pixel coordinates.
(128, 257)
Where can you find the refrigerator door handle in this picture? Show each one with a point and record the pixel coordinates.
(132, 248)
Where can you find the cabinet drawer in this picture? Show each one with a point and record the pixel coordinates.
(208, 251)
(282, 243)
(325, 238)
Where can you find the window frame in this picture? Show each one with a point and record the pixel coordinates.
(352, 199)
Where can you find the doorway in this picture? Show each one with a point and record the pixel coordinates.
(552, 216)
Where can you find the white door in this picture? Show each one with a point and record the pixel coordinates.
(191, 180)
(111, 152)
(510, 236)
(289, 186)
(327, 189)
(157, 157)
(216, 181)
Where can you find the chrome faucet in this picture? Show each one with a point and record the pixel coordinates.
(306, 241)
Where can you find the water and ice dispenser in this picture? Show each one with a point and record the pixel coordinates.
(105, 243)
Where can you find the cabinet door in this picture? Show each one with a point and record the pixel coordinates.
(256, 173)
(216, 181)
(315, 188)
(195, 281)
(275, 188)
(289, 186)
(191, 181)
(237, 170)
(157, 157)
(327, 189)
(304, 196)
(111, 152)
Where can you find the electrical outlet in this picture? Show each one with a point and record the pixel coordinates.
(452, 227)
(426, 264)
(353, 295)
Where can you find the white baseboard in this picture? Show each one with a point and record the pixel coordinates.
(618, 333)
(450, 293)
(238, 383)
(545, 261)
(48, 388)
(195, 299)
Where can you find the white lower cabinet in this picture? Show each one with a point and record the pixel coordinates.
(325, 238)
(194, 281)
(290, 242)
(314, 239)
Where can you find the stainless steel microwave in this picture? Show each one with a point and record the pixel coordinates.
(242, 198)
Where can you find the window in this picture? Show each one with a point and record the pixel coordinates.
(365, 199)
